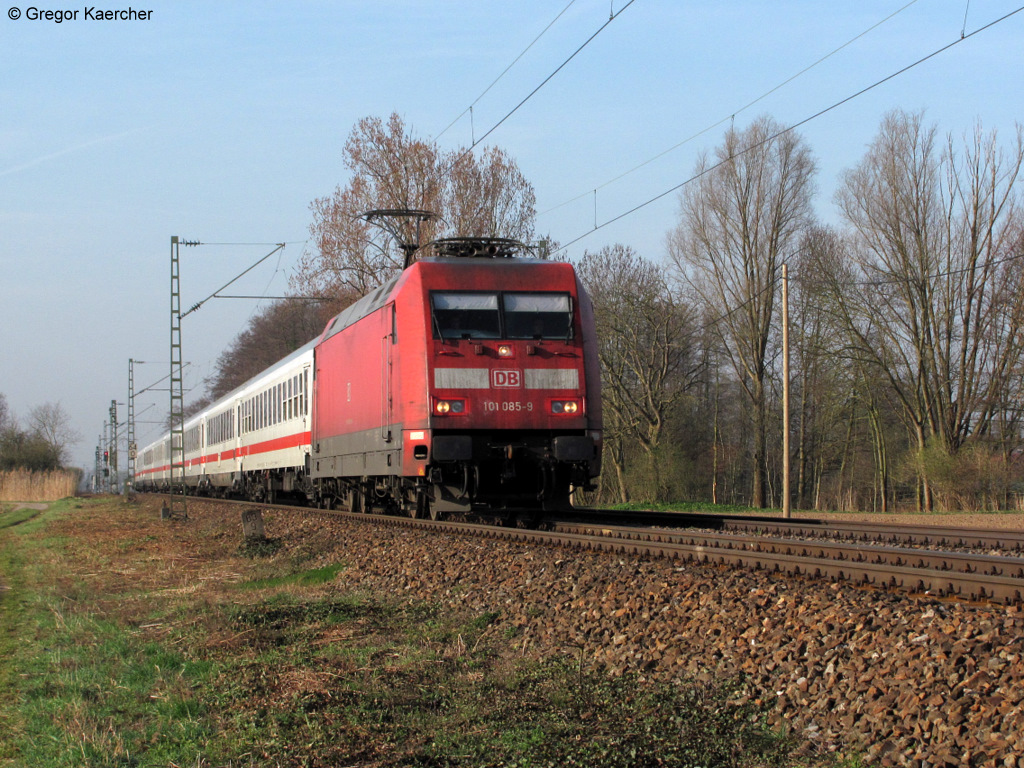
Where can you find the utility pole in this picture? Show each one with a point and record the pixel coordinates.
(114, 484)
(132, 448)
(786, 511)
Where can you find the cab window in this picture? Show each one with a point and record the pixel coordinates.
(466, 316)
(537, 315)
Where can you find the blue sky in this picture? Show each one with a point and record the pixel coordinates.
(222, 122)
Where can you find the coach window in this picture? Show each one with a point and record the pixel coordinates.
(537, 315)
(466, 316)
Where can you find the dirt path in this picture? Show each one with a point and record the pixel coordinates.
(38, 507)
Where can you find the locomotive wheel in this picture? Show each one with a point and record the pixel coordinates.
(355, 501)
(424, 508)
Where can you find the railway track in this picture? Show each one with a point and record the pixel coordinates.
(862, 554)
(932, 572)
(918, 535)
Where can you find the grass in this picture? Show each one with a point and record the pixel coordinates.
(16, 517)
(302, 578)
(687, 506)
(130, 642)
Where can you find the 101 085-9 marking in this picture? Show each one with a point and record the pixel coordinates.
(508, 405)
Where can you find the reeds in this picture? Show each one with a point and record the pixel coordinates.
(24, 485)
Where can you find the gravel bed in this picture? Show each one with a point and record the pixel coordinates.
(897, 680)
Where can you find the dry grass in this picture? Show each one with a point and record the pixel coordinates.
(140, 641)
(23, 485)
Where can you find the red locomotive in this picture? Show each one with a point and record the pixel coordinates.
(469, 383)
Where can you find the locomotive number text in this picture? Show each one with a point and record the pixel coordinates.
(511, 406)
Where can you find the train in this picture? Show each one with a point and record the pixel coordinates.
(467, 384)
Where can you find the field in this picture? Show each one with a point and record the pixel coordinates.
(131, 641)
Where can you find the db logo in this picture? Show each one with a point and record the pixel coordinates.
(506, 378)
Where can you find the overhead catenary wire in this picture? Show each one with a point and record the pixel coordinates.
(775, 282)
(544, 82)
(504, 72)
(264, 297)
(199, 304)
(791, 128)
(731, 117)
(880, 281)
(158, 381)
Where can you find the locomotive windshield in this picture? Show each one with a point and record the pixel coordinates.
(502, 316)
(537, 315)
(466, 316)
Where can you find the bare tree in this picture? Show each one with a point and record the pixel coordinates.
(271, 334)
(937, 286)
(738, 222)
(473, 195)
(52, 424)
(5, 413)
(822, 376)
(648, 353)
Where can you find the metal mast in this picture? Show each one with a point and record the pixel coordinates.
(106, 456)
(178, 505)
(132, 448)
(114, 484)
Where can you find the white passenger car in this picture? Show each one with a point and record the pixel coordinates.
(254, 441)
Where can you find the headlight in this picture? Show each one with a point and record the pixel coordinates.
(453, 407)
(565, 406)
